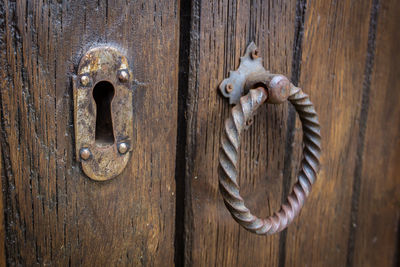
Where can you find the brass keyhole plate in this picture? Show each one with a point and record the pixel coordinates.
(106, 70)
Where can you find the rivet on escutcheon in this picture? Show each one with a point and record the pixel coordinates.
(85, 153)
(122, 148)
(85, 80)
(123, 76)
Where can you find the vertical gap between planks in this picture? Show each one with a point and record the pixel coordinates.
(396, 260)
(6, 172)
(369, 62)
(191, 123)
(2, 179)
(180, 162)
(2, 204)
(301, 6)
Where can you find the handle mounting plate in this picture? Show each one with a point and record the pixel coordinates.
(235, 85)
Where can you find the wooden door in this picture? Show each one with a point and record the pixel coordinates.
(165, 209)
(55, 214)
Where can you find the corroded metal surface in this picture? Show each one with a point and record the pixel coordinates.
(278, 89)
(103, 160)
(234, 86)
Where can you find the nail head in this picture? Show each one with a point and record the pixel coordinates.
(254, 54)
(229, 88)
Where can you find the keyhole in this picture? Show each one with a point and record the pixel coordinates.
(103, 94)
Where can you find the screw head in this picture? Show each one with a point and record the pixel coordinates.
(85, 153)
(85, 80)
(123, 148)
(255, 54)
(123, 76)
(229, 88)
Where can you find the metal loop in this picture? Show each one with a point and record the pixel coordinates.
(241, 113)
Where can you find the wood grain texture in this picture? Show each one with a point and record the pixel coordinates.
(2, 225)
(221, 31)
(333, 71)
(55, 215)
(346, 61)
(333, 62)
(378, 218)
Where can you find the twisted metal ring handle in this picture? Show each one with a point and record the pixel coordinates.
(279, 88)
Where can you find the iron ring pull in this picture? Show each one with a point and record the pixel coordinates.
(278, 89)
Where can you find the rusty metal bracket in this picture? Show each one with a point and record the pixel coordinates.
(271, 88)
(235, 85)
(103, 112)
(252, 74)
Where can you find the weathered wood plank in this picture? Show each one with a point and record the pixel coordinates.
(54, 213)
(332, 73)
(2, 225)
(221, 30)
(378, 217)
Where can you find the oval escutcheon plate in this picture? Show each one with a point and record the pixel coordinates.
(103, 112)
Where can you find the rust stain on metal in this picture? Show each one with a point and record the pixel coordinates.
(254, 54)
(102, 160)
